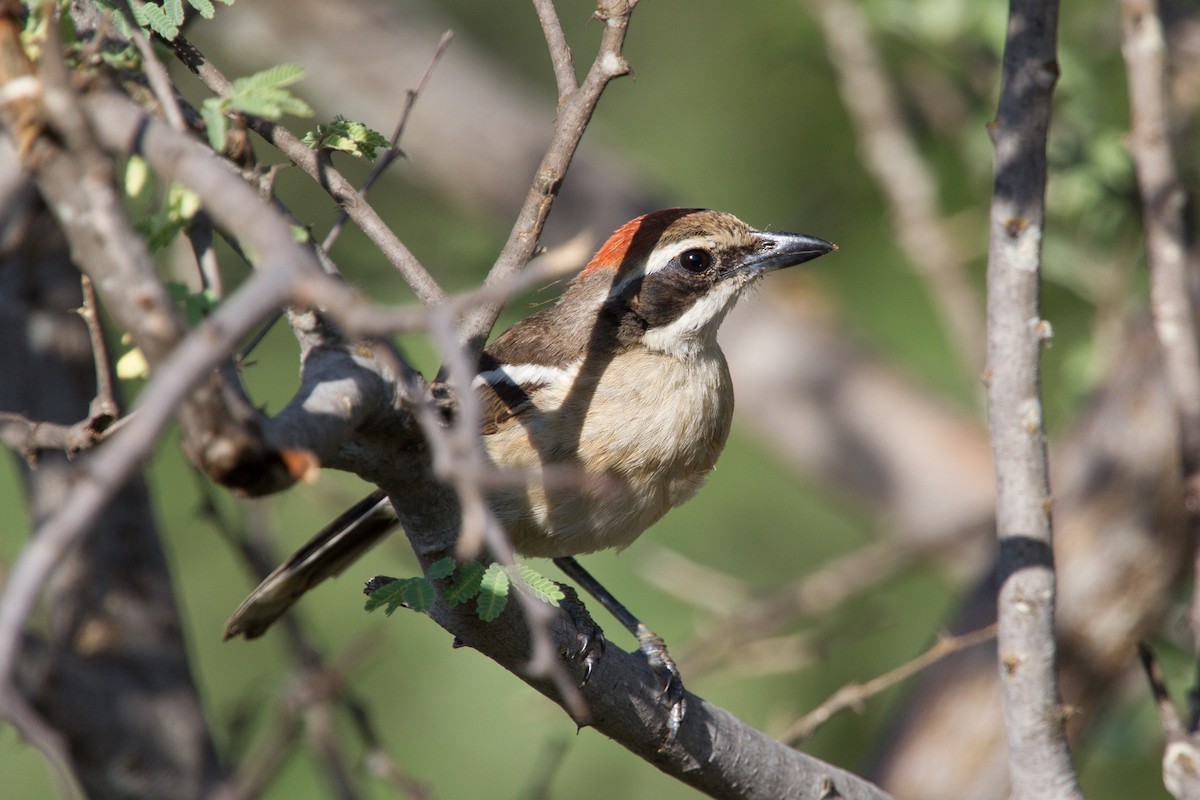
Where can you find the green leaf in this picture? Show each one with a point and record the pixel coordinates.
(442, 568)
(390, 595)
(174, 11)
(204, 7)
(158, 21)
(347, 136)
(182, 203)
(198, 305)
(419, 594)
(277, 76)
(133, 366)
(493, 593)
(539, 585)
(212, 111)
(263, 94)
(137, 176)
(466, 585)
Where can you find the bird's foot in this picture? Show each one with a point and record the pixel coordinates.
(590, 643)
(651, 645)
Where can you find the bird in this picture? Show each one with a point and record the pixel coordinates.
(622, 379)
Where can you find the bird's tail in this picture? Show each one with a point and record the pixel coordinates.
(330, 551)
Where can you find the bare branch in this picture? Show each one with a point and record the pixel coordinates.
(810, 595)
(560, 51)
(320, 170)
(1039, 761)
(855, 695)
(156, 74)
(574, 113)
(1181, 756)
(1171, 276)
(394, 151)
(896, 164)
(714, 752)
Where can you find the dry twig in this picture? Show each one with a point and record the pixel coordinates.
(1171, 276)
(393, 151)
(574, 112)
(855, 695)
(893, 159)
(320, 170)
(1181, 755)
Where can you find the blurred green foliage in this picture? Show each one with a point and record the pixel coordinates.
(731, 106)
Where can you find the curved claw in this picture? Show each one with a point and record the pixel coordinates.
(654, 649)
(591, 642)
(591, 649)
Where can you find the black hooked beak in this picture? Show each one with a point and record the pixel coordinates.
(779, 250)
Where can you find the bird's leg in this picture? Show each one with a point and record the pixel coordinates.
(650, 644)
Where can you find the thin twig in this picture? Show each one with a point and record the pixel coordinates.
(811, 595)
(340, 189)
(1038, 756)
(357, 316)
(574, 113)
(105, 403)
(894, 160)
(855, 695)
(200, 235)
(1171, 276)
(560, 51)
(549, 765)
(393, 151)
(156, 73)
(1181, 755)
(1168, 715)
(459, 459)
(317, 684)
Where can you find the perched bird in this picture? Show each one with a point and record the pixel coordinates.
(622, 379)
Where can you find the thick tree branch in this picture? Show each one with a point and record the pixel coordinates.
(715, 752)
(108, 670)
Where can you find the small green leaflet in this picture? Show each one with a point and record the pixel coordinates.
(415, 593)
(390, 595)
(263, 94)
(179, 207)
(213, 114)
(493, 593)
(419, 595)
(163, 19)
(442, 568)
(347, 136)
(540, 586)
(466, 584)
(196, 305)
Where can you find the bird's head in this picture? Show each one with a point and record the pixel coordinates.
(667, 279)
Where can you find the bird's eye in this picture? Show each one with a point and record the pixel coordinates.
(695, 260)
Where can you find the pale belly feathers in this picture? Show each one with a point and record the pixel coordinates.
(650, 444)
